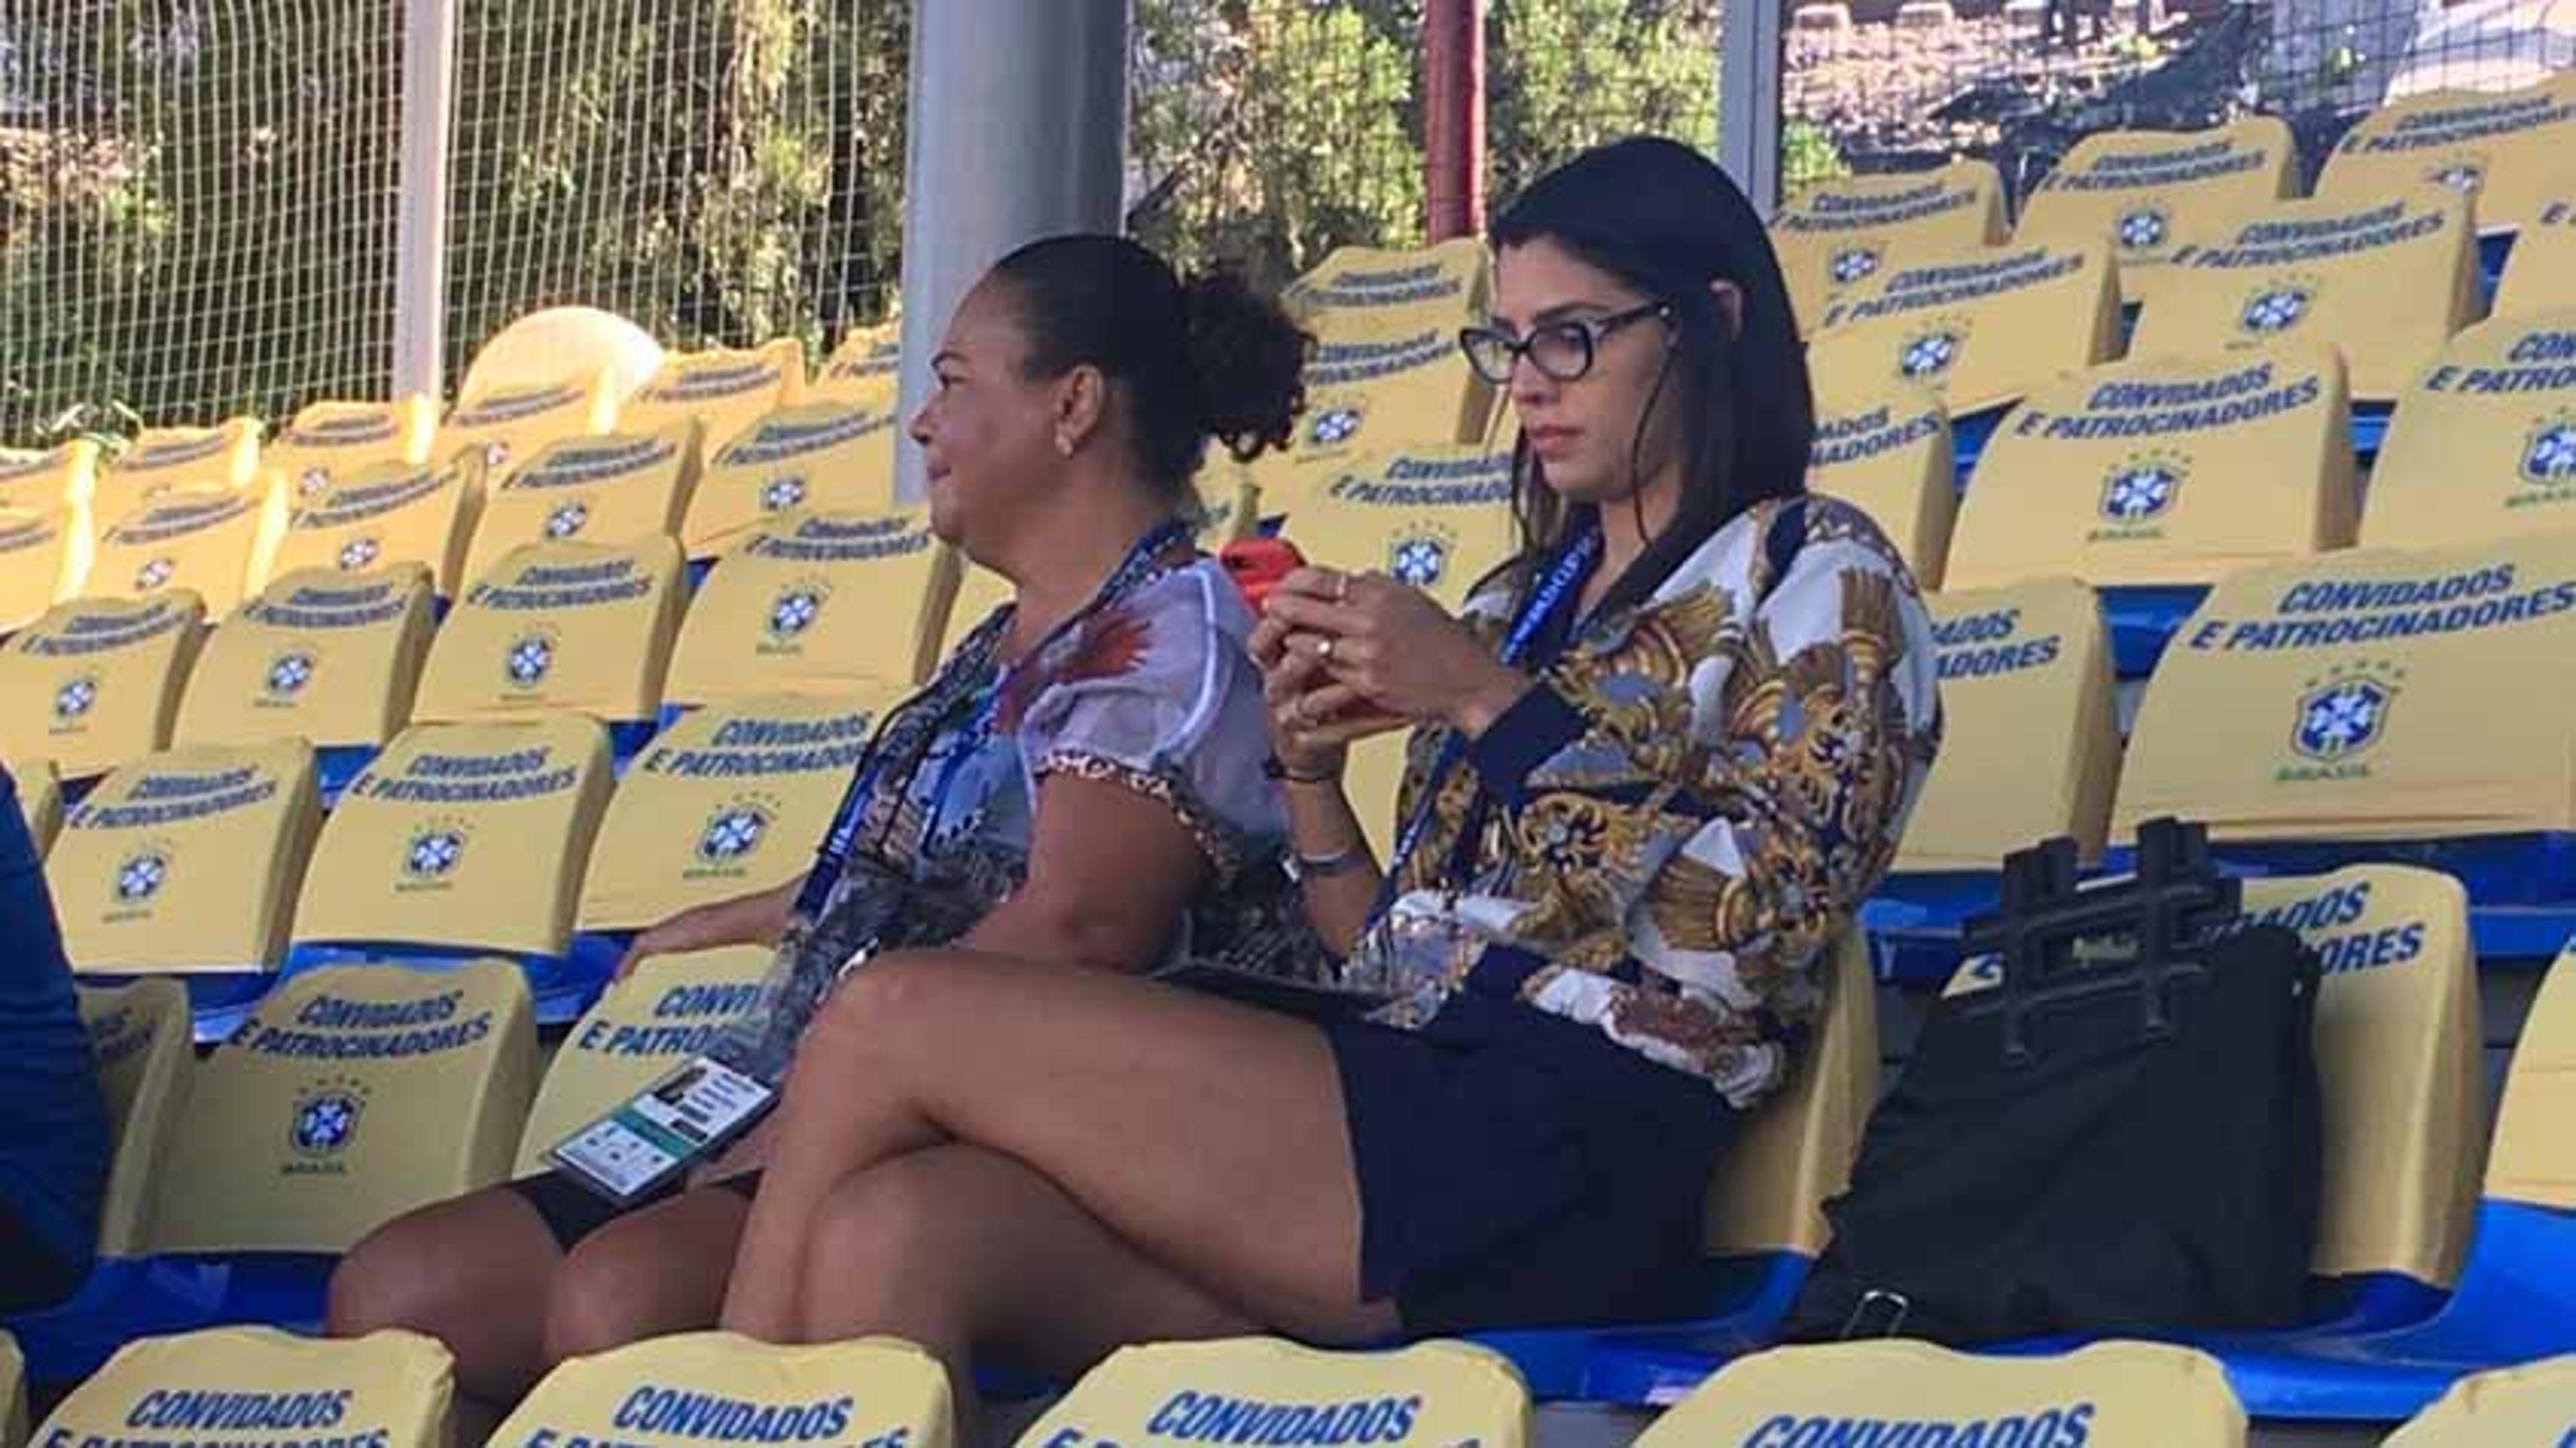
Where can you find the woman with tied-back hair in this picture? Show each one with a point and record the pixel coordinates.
(1080, 783)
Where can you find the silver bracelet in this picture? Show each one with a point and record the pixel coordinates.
(1303, 867)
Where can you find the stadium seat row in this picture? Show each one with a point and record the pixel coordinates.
(2159, 199)
(2166, 472)
(64, 535)
(2342, 703)
(355, 1093)
(711, 1388)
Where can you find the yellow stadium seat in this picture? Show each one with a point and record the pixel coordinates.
(40, 799)
(1438, 518)
(13, 1394)
(828, 457)
(2166, 470)
(812, 603)
(2399, 1064)
(2535, 1403)
(712, 1389)
(2110, 1395)
(2531, 1160)
(1373, 779)
(2387, 278)
(2540, 275)
(728, 800)
(1885, 448)
(329, 440)
(2368, 695)
(2484, 446)
(462, 836)
(1976, 328)
(2504, 149)
(724, 391)
(96, 682)
(669, 1007)
(187, 860)
(1386, 372)
(213, 542)
(352, 1095)
(161, 458)
(864, 370)
(39, 480)
(1836, 236)
(504, 425)
(259, 1385)
(559, 626)
(2145, 192)
(328, 657)
(1796, 1151)
(44, 559)
(1361, 287)
(544, 348)
(139, 1036)
(1181, 1392)
(388, 512)
(2030, 749)
(610, 489)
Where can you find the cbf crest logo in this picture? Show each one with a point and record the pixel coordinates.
(781, 494)
(313, 481)
(2344, 713)
(1419, 556)
(288, 673)
(2276, 309)
(795, 609)
(2141, 488)
(433, 852)
(2549, 454)
(324, 1122)
(75, 698)
(140, 876)
(733, 832)
(2463, 175)
(1334, 426)
(1853, 265)
(530, 658)
(567, 520)
(2143, 228)
(357, 553)
(1929, 354)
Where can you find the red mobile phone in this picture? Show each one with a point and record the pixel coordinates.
(1257, 565)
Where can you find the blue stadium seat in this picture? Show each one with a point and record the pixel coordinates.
(2516, 1299)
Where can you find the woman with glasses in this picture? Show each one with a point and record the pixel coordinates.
(1658, 766)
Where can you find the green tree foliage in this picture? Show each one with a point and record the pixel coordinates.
(198, 197)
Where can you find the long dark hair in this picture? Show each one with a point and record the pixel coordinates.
(1200, 358)
(1667, 221)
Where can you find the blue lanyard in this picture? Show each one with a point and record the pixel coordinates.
(1554, 592)
(832, 857)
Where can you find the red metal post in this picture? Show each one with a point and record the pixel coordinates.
(1453, 118)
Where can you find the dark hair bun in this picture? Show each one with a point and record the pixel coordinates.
(1248, 360)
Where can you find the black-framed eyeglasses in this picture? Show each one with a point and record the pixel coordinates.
(1560, 350)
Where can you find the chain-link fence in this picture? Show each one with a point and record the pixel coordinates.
(1892, 85)
(196, 207)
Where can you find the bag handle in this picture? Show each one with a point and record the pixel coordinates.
(2175, 907)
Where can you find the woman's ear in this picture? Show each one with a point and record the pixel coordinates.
(1730, 306)
(1081, 406)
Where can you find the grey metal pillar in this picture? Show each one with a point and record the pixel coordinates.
(1018, 131)
(1748, 98)
(420, 219)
